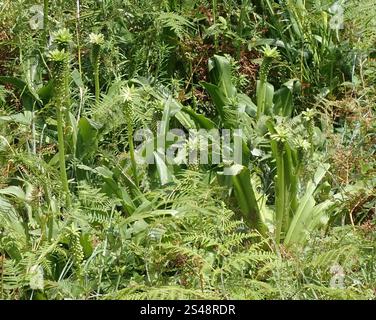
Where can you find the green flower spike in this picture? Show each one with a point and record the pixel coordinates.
(96, 38)
(63, 38)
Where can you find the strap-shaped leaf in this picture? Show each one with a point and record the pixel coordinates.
(306, 210)
(246, 198)
(202, 121)
(165, 175)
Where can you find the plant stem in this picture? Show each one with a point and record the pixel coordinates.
(61, 73)
(242, 17)
(262, 86)
(214, 3)
(96, 80)
(61, 142)
(95, 53)
(45, 20)
(261, 98)
(78, 38)
(67, 100)
(130, 142)
(280, 195)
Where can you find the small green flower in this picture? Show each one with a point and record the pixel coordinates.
(282, 134)
(270, 52)
(58, 55)
(63, 37)
(269, 55)
(128, 93)
(302, 143)
(96, 38)
(308, 115)
(36, 275)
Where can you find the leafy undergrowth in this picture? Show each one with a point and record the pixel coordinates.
(87, 89)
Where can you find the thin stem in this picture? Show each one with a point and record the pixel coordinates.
(45, 20)
(78, 37)
(96, 79)
(97, 41)
(61, 95)
(214, 3)
(131, 146)
(63, 172)
(280, 195)
(261, 98)
(242, 17)
(68, 100)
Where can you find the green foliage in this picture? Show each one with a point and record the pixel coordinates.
(82, 218)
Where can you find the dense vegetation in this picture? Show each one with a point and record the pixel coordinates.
(81, 217)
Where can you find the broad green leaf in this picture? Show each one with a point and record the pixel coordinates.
(186, 121)
(164, 173)
(245, 103)
(264, 94)
(150, 214)
(87, 138)
(305, 211)
(45, 93)
(220, 75)
(283, 103)
(77, 78)
(14, 191)
(202, 121)
(25, 118)
(246, 197)
(218, 96)
(28, 96)
(87, 244)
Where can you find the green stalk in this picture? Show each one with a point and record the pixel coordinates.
(130, 141)
(286, 189)
(310, 129)
(67, 100)
(264, 89)
(280, 204)
(60, 73)
(242, 16)
(292, 169)
(78, 38)
(261, 99)
(97, 41)
(63, 39)
(61, 142)
(262, 86)
(285, 199)
(96, 79)
(45, 20)
(214, 3)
